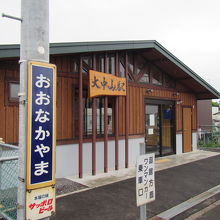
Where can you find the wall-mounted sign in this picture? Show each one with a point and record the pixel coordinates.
(145, 179)
(41, 132)
(40, 203)
(101, 84)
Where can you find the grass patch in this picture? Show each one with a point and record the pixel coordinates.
(210, 144)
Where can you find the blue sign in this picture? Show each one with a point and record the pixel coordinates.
(41, 125)
(167, 114)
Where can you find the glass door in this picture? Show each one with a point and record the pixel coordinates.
(152, 128)
(159, 127)
(167, 126)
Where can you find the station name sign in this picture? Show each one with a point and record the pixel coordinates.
(41, 133)
(101, 84)
(41, 140)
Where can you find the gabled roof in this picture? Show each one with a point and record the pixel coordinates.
(153, 51)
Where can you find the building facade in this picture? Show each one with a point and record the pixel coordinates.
(104, 133)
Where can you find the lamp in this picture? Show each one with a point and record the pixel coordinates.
(149, 90)
(179, 102)
(176, 94)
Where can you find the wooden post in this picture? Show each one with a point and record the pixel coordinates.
(94, 126)
(106, 126)
(126, 112)
(116, 115)
(80, 120)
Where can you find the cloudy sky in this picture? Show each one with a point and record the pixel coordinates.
(190, 29)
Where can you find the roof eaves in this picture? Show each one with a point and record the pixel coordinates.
(185, 68)
(66, 48)
(12, 50)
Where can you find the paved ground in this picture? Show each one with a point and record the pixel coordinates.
(213, 214)
(64, 186)
(116, 201)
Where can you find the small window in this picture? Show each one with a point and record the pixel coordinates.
(131, 62)
(101, 63)
(139, 64)
(145, 78)
(156, 76)
(13, 91)
(87, 64)
(111, 64)
(88, 61)
(121, 70)
(75, 67)
(168, 82)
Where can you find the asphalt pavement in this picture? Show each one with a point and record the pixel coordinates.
(117, 201)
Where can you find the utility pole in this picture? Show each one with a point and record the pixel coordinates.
(34, 46)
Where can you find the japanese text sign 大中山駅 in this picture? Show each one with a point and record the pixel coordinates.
(106, 84)
(41, 133)
(145, 179)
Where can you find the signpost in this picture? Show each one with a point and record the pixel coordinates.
(41, 139)
(145, 182)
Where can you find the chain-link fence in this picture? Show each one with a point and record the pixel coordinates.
(209, 136)
(8, 181)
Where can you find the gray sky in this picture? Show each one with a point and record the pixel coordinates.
(190, 29)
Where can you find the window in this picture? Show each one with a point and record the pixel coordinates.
(168, 82)
(101, 63)
(145, 78)
(87, 64)
(131, 62)
(13, 90)
(76, 66)
(99, 116)
(121, 69)
(111, 64)
(139, 64)
(156, 76)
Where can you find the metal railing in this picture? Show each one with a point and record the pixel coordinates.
(8, 181)
(209, 136)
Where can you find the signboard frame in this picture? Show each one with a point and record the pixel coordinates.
(51, 69)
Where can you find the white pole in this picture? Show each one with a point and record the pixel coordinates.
(34, 46)
(143, 208)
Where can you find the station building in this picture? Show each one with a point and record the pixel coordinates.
(101, 133)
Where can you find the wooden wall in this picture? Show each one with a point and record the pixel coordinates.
(67, 113)
(8, 112)
(137, 94)
(65, 96)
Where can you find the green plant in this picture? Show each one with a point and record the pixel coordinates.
(215, 104)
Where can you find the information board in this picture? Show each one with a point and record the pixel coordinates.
(145, 179)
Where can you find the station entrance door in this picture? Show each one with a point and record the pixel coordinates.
(160, 127)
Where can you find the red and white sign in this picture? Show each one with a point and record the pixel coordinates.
(40, 203)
